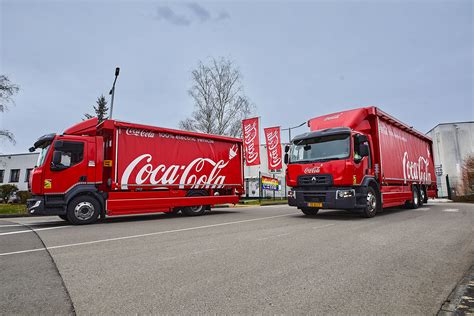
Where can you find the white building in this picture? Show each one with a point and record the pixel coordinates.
(15, 169)
(452, 144)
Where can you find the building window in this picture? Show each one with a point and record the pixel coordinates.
(28, 172)
(2, 175)
(14, 175)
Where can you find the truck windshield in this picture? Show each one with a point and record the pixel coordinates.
(324, 148)
(44, 151)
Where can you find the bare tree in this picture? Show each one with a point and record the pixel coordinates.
(7, 90)
(220, 103)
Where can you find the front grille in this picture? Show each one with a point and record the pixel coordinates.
(314, 196)
(315, 179)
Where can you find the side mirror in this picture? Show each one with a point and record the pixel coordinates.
(32, 149)
(361, 138)
(287, 148)
(286, 158)
(56, 161)
(364, 150)
(58, 144)
(56, 157)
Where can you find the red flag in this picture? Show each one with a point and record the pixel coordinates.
(272, 137)
(251, 141)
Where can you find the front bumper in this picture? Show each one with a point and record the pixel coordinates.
(37, 206)
(329, 197)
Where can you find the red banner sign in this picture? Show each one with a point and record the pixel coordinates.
(251, 141)
(272, 137)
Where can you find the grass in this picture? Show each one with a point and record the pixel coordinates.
(263, 202)
(9, 209)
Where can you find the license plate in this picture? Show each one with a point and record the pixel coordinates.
(315, 204)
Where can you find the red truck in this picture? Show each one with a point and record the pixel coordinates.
(361, 159)
(118, 168)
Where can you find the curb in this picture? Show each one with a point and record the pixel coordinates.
(15, 215)
(461, 299)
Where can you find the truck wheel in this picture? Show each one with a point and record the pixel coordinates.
(415, 200)
(372, 203)
(310, 211)
(83, 210)
(194, 210)
(63, 217)
(423, 195)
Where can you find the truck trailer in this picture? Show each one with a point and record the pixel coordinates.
(359, 160)
(94, 170)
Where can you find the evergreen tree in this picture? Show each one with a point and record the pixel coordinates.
(100, 109)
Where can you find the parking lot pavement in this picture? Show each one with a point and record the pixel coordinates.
(251, 260)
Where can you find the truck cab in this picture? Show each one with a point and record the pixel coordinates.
(68, 165)
(331, 168)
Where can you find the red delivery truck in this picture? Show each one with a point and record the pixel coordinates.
(118, 168)
(361, 159)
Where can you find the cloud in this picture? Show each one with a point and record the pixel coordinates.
(165, 13)
(223, 15)
(188, 14)
(200, 12)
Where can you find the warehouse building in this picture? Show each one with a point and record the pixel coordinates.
(453, 143)
(15, 169)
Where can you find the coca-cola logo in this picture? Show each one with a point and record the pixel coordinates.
(274, 149)
(315, 169)
(139, 132)
(200, 173)
(416, 170)
(250, 135)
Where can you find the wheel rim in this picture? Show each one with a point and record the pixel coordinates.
(196, 209)
(371, 202)
(422, 195)
(415, 197)
(84, 211)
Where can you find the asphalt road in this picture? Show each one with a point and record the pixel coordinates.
(241, 260)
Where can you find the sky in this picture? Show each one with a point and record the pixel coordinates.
(413, 59)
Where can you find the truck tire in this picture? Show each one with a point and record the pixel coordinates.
(310, 211)
(63, 217)
(82, 210)
(194, 210)
(415, 200)
(423, 195)
(370, 209)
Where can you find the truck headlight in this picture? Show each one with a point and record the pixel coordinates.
(342, 194)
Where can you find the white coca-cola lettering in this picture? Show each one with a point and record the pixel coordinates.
(183, 175)
(250, 133)
(416, 170)
(315, 169)
(274, 149)
(139, 132)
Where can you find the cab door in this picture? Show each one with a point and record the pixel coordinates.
(362, 163)
(68, 166)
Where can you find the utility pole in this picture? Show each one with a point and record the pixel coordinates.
(112, 92)
(289, 141)
(290, 128)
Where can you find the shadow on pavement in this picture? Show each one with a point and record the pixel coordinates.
(349, 215)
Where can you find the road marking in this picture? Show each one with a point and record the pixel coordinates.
(316, 227)
(274, 236)
(32, 230)
(145, 235)
(423, 209)
(451, 210)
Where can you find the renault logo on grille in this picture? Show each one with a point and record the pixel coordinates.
(313, 179)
